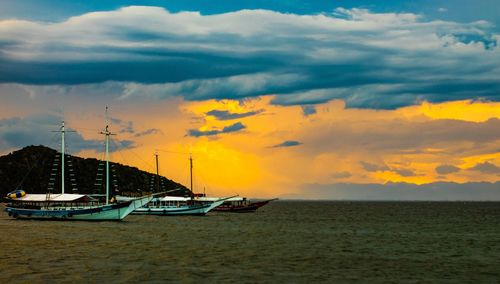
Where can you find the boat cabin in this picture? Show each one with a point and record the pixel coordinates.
(37, 201)
(169, 201)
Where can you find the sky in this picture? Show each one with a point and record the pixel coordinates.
(376, 100)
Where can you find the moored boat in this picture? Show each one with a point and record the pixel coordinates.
(65, 206)
(231, 204)
(71, 207)
(238, 204)
(176, 205)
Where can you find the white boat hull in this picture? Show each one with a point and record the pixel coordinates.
(197, 209)
(110, 212)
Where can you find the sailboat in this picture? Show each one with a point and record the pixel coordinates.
(232, 204)
(70, 206)
(177, 205)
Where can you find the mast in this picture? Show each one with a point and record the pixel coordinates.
(107, 164)
(62, 156)
(157, 173)
(191, 172)
(107, 134)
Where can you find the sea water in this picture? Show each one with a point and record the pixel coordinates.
(285, 241)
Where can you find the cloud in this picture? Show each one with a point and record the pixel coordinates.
(117, 120)
(341, 175)
(227, 129)
(288, 143)
(128, 127)
(42, 129)
(404, 172)
(308, 110)
(486, 168)
(369, 167)
(446, 169)
(396, 135)
(230, 87)
(367, 59)
(147, 132)
(227, 115)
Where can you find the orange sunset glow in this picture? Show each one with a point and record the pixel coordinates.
(283, 108)
(249, 162)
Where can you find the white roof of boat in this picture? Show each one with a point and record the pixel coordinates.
(124, 198)
(52, 197)
(173, 198)
(205, 198)
(165, 198)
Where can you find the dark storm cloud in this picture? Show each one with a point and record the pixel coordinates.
(228, 129)
(369, 60)
(193, 66)
(227, 115)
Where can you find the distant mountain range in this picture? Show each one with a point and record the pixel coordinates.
(32, 167)
(400, 191)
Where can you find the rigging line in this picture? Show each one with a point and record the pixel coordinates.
(173, 152)
(26, 175)
(52, 140)
(84, 129)
(119, 151)
(35, 163)
(148, 165)
(197, 154)
(102, 152)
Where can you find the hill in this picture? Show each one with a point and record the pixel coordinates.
(33, 167)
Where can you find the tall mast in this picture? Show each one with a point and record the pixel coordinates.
(157, 173)
(191, 171)
(62, 156)
(107, 164)
(107, 134)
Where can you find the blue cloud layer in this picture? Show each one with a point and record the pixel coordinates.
(369, 60)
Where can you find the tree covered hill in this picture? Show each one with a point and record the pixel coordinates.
(33, 167)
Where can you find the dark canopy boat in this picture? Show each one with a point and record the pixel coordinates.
(238, 204)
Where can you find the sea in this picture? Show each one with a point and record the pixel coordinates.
(285, 241)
